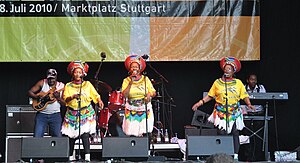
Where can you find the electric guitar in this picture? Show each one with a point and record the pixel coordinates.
(45, 99)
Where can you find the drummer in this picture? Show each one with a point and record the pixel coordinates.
(138, 90)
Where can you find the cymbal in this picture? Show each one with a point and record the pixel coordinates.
(101, 86)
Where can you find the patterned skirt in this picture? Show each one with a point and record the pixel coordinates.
(134, 122)
(218, 117)
(70, 126)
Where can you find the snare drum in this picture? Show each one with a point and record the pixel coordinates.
(116, 101)
(103, 118)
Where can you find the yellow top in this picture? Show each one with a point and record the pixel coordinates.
(235, 91)
(88, 94)
(137, 90)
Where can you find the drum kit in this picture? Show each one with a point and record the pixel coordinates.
(116, 102)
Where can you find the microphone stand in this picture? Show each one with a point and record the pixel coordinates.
(103, 56)
(146, 109)
(157, 109)
(163, 89)
(226, 104)
(79, 117)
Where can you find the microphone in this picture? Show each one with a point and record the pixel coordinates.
(133, 74)
(145, 56)
(103, 55)
(226, 75)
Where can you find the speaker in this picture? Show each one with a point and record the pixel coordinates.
(52, 148)
(13, 149)
(298, 152)
(20, 120)
(200, 119)
(129, 147)
(195, 131)
(203, 146)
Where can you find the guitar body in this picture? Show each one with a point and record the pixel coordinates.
(45, 99)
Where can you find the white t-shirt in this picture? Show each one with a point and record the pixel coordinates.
(55, 106)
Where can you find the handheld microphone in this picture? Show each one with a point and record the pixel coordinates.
(226, 75)
(133, 74)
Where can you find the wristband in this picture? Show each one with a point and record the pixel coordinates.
(202, 102)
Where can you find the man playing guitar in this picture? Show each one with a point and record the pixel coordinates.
(46, 95)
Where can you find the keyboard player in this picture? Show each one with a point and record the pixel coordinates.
(253, 87)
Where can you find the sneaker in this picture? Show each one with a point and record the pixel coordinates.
(87, 157)
(72, 158)
(235, 156)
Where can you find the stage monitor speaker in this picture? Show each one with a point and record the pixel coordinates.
(200, 119)
(20, 120)
(204, 146)
(129, 148)
(13, 149)
(196, 131)
(51, 148)
(298, 152)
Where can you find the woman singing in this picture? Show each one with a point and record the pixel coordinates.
(138, 90)
(227, 92)
(80, 115)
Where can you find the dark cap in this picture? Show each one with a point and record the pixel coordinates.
(51, 73)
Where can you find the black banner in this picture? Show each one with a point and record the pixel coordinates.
(128, 8)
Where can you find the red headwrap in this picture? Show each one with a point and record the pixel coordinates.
(235, 63)
(78, 64)
(135, 58)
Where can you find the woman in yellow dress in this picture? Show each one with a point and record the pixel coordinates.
(138, 91)
(78, 95)
(227, 90)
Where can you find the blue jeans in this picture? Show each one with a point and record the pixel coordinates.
(54, 122)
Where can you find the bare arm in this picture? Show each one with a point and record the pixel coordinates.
(149, 96)
(100, 103)
(201, 102)
(33, 92)
(248, 103)
(58, 97)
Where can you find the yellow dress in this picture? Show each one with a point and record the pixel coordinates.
(235, 92)
(134, 122)
(70, 126)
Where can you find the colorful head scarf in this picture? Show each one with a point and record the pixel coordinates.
(78, 64)
(235, 63)
(135, 58)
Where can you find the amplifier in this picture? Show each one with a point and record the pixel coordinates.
(20, 120)
(196, 131)
(13, 146)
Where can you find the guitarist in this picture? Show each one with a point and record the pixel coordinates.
(50, 115)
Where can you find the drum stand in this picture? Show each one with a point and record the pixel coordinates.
(104, 125)
(106, 132)
(98, 136)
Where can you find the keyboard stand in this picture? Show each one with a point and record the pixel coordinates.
(265, 118)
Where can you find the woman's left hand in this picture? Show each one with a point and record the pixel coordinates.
(252, 107)
(147, 98)
(101, 104)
